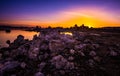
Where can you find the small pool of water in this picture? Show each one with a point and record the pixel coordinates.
(13, 35)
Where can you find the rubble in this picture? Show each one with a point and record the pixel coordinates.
(56, 54)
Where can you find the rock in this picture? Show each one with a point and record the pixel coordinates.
(97, 58)
(95, 34)
(69, 41)
(62, 72)
(91, 62)
(96, 45)
(8, 42)
(33, 53)
(81, 53)
(71, 58)
(35, 37)
(41, 66)
(13, 75)
(113, 53)
(41, 57)
(55, 54)
(19, 39)
(87, 41)
(6, 53)
(72, 51)
(44, 47)
(92, 53)
(80, 47)
(23, 64)
(0, 56)
(39, 74)
(1, 65)
(10, 66)
(56, 46)
(69, 65)
(59, 61)
(46, 55)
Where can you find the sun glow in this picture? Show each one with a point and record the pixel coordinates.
(90, 16)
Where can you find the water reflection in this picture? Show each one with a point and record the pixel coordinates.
(66, 33)
(13, 35)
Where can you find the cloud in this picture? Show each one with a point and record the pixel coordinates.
(77, 14)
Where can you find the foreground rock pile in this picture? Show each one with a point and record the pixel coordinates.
(55, 54)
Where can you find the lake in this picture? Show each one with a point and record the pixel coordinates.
(13, 35)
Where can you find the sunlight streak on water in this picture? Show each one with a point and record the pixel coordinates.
(66, 33)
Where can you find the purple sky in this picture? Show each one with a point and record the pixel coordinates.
(44, 10)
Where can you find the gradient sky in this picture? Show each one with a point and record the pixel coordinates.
(66, 13)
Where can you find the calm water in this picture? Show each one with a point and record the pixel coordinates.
(13, 35)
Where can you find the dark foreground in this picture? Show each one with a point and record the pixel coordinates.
(55, 54)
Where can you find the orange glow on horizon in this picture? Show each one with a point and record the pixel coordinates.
(92, 17)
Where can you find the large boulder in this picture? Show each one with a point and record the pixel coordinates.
(33, 53)
(56, 46)
(61, 63)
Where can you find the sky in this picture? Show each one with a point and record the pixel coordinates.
(65, 13)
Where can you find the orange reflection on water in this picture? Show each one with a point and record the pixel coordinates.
(13, 35)
(66, 33)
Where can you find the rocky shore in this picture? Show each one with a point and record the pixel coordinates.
(55, 54)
